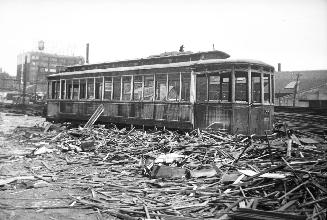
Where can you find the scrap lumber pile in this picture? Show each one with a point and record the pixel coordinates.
(137, 174)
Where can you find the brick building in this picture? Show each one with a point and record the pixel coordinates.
(40, 64)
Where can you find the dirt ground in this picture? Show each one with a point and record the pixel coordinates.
(33, 199)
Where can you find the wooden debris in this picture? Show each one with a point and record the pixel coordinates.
(245, 214)
(167, 172)
(95, 116)
(13, 179)
(137, 174)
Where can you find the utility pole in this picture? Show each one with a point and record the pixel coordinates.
(24, 80)
(36, 81)
(296, 89)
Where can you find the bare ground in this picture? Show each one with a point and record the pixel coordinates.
(18, 199)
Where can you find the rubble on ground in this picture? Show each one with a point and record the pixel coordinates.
(163, 174)
(21, 109)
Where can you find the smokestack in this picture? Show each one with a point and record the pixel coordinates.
(87, 53)
(279, 67)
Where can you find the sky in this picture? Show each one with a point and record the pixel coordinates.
(290, 32)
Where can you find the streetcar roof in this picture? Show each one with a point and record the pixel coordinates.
(171, 54)
(161, 66)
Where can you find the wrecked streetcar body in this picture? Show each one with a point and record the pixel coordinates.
(180, 90)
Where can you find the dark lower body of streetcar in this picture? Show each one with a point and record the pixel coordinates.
(235, 118)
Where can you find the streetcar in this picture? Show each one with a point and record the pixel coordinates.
(178, 90)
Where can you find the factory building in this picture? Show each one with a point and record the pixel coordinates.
(40, 64)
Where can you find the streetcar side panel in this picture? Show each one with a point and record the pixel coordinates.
(170, 115)
(151, 97)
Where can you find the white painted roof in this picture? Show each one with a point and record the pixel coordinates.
(291, 85)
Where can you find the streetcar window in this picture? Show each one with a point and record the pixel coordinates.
(240, 86)
(107, 87)
(201, 88)
(57, 92)
(137, 94)
(186, 81)
(90, 88)
(53, 89)
(161, 87)
(69, 89)
(98, 88)
(266, 87)
(173, 86)
(63, 89)
(225, 87)
(82, 94)
(256, 87)
(127, 83)
(75, 89)
(214, 88)
(117, 88)
(148, 88)
(49, 90)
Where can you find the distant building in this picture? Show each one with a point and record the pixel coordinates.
(302, 88)
(7, 82)
(40, 64)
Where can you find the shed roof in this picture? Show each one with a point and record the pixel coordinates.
(308, 79)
